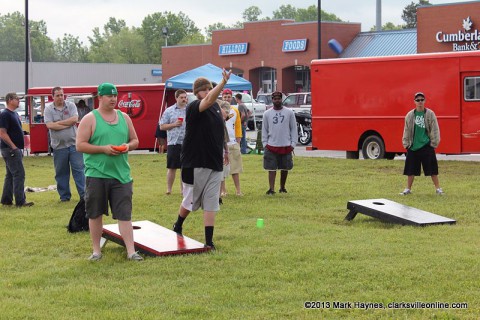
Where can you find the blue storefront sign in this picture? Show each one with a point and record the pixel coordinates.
(232, 49)
(157, 72)
(294, 45)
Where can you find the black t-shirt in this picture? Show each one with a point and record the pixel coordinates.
(10, 121)
(204, 137)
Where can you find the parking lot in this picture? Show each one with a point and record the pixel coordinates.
(301, 151)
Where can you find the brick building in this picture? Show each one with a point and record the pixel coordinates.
(276, 54)
(448, 27)
(272, 55)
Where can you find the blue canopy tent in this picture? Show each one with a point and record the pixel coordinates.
(211, 72)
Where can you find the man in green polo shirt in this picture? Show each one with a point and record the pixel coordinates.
(108, 179)
(421, 135)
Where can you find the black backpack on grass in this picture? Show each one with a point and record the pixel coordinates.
(78, 220)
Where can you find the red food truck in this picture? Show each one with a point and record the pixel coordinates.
(142, 102)
(359, 104)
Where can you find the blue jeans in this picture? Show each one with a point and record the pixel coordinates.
(63, 159)
(14, 178)
(243, 142)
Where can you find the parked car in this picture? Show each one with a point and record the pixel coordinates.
(257, 109)
(190, 97)
(20, 110)
(267, 99)
(299, 102)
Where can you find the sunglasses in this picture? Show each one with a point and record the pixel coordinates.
(419, 100)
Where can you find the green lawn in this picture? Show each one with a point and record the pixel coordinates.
(305, 253)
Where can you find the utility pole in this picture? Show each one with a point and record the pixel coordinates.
(319, 29)
(27, 50)
(379, 16)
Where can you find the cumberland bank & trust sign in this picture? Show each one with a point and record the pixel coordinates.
(466, 40)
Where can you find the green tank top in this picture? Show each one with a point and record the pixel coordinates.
(100, 165)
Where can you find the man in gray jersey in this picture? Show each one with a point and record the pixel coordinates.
(61, 120)
(279, 138)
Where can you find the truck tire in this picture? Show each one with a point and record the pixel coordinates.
(353, 155)
(373, 148)
(250, 125)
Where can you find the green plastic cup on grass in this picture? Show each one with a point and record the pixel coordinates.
(260, 223)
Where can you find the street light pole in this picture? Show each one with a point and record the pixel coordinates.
(319, 29)
(27, 50)
(165, 34)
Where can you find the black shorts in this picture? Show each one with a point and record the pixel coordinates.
(99, 192)
(160, 133)
(424, 157)
(274, 161)
(173, 156)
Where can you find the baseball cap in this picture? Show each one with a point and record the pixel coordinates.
(277, 93)
(107, 89)
(227, 91)
(419, 94)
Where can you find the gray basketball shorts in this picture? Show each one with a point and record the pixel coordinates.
(204, 192)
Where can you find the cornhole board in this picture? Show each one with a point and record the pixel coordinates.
(394, 212)
(154, 240)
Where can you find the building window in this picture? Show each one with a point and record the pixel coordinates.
(472, 89)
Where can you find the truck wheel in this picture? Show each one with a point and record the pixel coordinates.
(250, 125)
(353, 155)
(373, 148)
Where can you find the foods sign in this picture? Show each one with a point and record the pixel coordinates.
(294, 45)
(467, 39)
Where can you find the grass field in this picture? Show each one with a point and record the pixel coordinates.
(305, 253)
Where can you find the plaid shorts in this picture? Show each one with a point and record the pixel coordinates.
(274, 161)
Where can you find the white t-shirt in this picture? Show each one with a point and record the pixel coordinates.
(230, 124)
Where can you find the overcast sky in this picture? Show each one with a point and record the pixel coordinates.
(80, 17)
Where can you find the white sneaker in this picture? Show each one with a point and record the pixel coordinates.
(405, 192)
(440, 192)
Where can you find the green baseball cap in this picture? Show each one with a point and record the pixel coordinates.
(107, 89)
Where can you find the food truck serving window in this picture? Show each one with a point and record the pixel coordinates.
(472, 89)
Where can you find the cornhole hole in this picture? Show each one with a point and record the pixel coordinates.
(394, 212)
(154, 240)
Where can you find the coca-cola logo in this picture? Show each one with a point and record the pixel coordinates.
(131, 103)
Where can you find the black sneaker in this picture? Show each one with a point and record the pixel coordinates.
(282, 190)
(270, 192)
(211, 246)
(220, 201)
(25, 204)
(177, 230)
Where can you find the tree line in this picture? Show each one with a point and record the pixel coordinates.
(118, 43)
